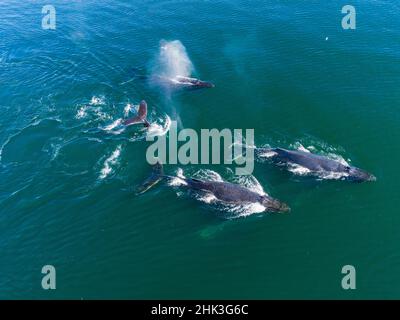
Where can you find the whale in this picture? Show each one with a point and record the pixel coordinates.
(189, 82)
(317, 164)
(226, 192)
(140, 118)
(177, 81)
(181, 82)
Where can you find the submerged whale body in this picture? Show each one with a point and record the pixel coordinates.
(181, 82)
(226, 192)
(190, 82)
(317, 163)
(177, 81)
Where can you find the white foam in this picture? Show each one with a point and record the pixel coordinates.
(101, 114)
(127, 109)
(298, 169)
(235, 211)
(7, 142)
(338, 158)
(156, 130)
(82, 113)
(328, 151)
(209, 175)
(54, 147)
(333, 175)
(302, 148)
(251, 183)
(207, 198)
(95, 101)
(268, 154)
(246, 210)
(94, 107)
(179, 173)
(113, 125)
(176, 182)
(110, 162)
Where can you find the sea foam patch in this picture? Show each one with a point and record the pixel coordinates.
(110, 162)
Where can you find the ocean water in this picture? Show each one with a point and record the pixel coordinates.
(286, 69)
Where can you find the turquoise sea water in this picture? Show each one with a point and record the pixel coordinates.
(285, 68)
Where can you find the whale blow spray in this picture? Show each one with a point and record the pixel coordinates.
(173, 60)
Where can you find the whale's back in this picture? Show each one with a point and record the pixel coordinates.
(311, 161)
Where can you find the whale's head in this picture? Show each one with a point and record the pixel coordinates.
(273, 205)
(358, 175)
(207, 84)
(202, 84)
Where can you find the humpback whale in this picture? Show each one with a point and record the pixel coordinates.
(226, 192)
(175, 81)
(140, 117)
(189, 82)
(316, 163)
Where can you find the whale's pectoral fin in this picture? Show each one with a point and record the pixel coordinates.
(156, 176)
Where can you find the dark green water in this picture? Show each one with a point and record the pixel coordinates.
(274, 71)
